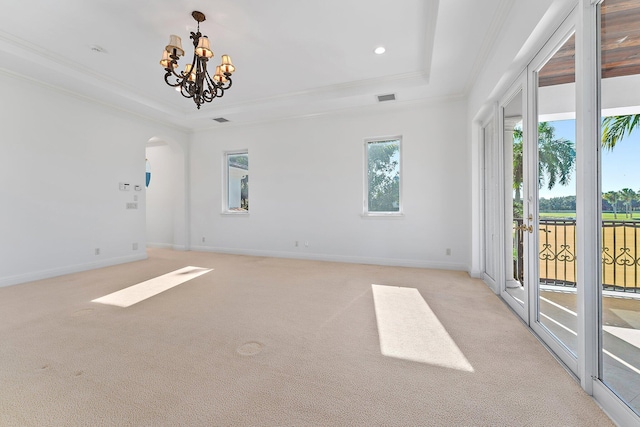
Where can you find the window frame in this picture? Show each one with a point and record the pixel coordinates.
(365, 205)
(225, 181)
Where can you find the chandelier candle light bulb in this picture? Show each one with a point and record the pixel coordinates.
(175, 45)
(203, 50)
(227, 66)
(187, 70)
(166, 60)
(195, 82)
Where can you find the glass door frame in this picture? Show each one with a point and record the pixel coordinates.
(592, 368)
(490, 180)
(505, 195)
(561, 35)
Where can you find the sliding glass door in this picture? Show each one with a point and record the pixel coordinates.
(620, 192)
(538, 134)
(554, 308)
(517, 226)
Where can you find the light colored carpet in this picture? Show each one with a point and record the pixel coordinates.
(268, 342)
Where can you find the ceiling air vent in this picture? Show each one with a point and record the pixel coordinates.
(389, 97)
(221, 120)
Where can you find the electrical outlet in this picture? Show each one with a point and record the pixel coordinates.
(202, 239)
(295, 243)
(97, 251)
(448, 252)
(135, 246)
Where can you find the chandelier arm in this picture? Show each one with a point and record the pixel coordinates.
(185, 92)
(171, 72)
(166, 79)
(229, 82)
(210, 82)
(209, 93)
(173, 65)
(180, 76)
(217, 91)
(208, 96)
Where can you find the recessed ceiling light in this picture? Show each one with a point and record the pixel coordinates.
(379, 50)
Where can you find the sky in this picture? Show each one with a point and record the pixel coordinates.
(620, 166)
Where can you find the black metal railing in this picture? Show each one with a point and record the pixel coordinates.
(557, 256)
(621, 255)
(557, 251)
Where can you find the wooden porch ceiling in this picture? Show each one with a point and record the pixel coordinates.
(620, 41)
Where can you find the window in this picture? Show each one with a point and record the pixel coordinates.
(619, 181)
(237, 182)
(382, 192)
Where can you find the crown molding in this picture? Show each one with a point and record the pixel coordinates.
(497, 22)
(353, 88)
(371, 108)
(91, 100)
(41, 57)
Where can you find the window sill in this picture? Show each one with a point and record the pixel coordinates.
(234, 213)
(391, 215)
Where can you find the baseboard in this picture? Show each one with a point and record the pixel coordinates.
(45, 274)
(395, 262)
(167, 246)
(476, 274)
(160, 245)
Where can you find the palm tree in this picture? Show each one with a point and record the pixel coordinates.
(556, 158)
(517, 163)
(612, 197)
(615, 128)
(627, 196)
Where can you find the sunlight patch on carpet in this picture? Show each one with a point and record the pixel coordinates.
(140, 292)
(409, 330)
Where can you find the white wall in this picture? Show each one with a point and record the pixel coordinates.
(166, 195)
(61, 159)
(307, 178)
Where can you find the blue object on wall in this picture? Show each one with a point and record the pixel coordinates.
(148, 174)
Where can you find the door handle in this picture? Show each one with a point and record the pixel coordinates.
(523, 227)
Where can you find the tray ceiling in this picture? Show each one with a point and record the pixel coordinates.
(293, 58)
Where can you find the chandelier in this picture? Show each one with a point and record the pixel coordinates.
(195, 82)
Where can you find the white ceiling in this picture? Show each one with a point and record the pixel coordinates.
(293, 57)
